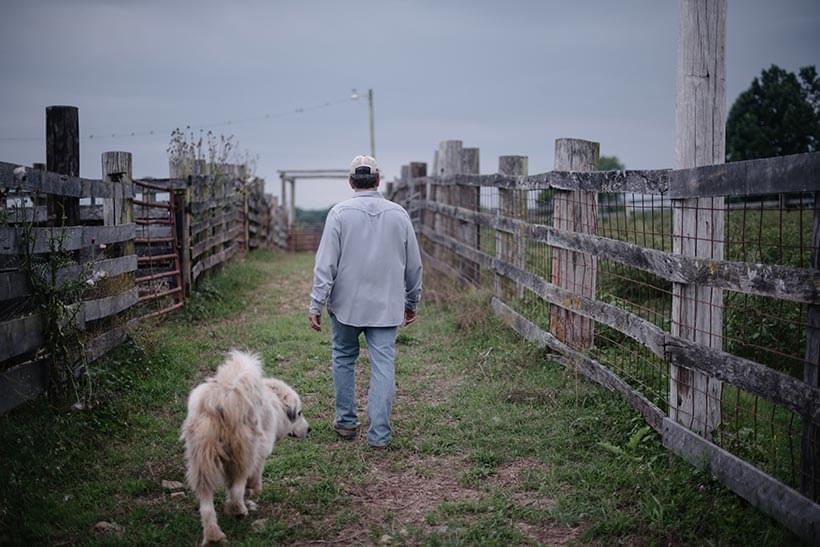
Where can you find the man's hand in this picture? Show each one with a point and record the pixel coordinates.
(315, 321)
(409, 316)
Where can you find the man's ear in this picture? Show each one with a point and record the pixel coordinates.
(378, 180)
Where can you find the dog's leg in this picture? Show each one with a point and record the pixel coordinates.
(255, 482)
(236, 499)
(210, 528)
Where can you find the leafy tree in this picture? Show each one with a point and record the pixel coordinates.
(778, 115)
(610, 163)
(311, 217)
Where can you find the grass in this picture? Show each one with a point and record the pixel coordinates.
(494, 444)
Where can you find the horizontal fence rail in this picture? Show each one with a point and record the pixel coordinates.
(622, 262)
(794, 174)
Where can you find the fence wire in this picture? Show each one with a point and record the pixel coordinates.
(770, 229)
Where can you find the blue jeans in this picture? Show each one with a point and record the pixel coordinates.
(381, 346)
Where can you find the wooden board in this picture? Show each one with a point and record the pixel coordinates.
(74, 237)
(213, 260)
(783, 174)
(20, 335)
(213, 241)
(14, 284)
(44, 182)
(109, 305)
(21, 383)
(772, 385)
(102, 344)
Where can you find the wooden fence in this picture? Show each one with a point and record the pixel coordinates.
(691, 291)
(138, 245)
(593, 280)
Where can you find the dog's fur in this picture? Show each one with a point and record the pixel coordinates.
(234, 419)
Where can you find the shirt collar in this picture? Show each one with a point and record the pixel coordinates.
(367, 194)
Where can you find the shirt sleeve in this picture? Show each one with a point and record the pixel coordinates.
(412, 270)
(327, 264)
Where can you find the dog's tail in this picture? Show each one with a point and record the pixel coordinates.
(222, 424)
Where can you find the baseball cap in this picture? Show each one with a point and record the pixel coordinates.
(360, 162)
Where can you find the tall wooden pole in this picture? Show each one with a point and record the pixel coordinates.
(698, 224)
(63, 157)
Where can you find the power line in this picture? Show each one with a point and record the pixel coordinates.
(225, 123)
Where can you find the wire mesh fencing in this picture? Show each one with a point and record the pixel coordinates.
(700, 306)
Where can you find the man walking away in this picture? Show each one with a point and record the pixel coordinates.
(368, 273)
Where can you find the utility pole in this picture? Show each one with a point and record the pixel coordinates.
(372, 130)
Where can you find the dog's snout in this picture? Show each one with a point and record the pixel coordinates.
(308, 429)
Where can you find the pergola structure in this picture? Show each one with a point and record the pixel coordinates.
(291, 175)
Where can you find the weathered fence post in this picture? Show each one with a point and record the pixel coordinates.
(117, 167)
(810, 443)
(468, 198)
(449, 163)
(63, 157)
(512, 204)
(180, 169)
(574, 211)
(698, 224)
(418, 191)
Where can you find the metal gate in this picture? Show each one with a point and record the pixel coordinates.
(159, 274)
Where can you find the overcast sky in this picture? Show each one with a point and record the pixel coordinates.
(506, 76)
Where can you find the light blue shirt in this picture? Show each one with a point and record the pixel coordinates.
(368, 266)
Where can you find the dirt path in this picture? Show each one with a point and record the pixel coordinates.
(398, 494)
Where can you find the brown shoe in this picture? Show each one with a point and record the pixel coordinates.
(346, 433)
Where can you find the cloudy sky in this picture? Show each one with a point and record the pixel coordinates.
(506, 76)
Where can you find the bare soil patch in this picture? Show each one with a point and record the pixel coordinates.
(512, 477)
(294, 293)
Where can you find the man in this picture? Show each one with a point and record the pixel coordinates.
(368, 273)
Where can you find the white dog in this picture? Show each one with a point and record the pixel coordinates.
(234, 419)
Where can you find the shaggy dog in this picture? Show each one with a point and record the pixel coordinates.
(234, 419)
